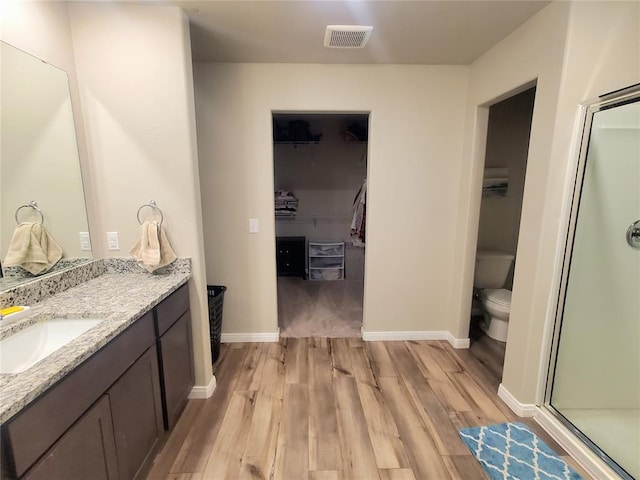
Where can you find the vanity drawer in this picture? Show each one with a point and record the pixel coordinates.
(171, 309)
(33, 431)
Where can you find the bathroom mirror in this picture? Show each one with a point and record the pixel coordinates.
(38, 159)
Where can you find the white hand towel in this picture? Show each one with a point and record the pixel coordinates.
(33, 249)
(151, 254)
(167, 255)
(153, 250)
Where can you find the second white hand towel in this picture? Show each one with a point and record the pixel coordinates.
(167, 255)
(153, 250)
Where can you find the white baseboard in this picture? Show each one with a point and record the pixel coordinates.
(574, 446)
(250, 337)
(203, 392)
(520, 409)
(403, 335)
(415, 335)
(458, 342)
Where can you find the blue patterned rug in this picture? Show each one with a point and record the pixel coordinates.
(510, 451)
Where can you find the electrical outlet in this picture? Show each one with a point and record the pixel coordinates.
(254, 226)
(85, 241)
(112, 241)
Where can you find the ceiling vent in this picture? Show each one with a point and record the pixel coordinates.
(346, 36)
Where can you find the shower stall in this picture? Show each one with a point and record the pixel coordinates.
(594, 377)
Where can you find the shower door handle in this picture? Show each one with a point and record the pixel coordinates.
(633, 234)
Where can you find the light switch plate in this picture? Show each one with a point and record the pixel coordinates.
(85, 241)
(112, 241)
(254, 225)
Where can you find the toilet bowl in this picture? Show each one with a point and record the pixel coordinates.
(490, 276)
(496, 305)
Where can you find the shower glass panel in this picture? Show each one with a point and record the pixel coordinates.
(595, 382)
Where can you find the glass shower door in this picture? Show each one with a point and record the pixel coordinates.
(595, 385)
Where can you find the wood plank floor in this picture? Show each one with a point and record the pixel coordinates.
(489, 352)
(337, 409)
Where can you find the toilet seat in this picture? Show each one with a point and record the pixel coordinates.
(500, 299)
(499, 296)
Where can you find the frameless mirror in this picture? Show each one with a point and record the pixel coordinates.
(38, 159)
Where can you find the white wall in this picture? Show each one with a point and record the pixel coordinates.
(601, 53)
(415, 138)
(134, 70)
(532, 53)
(40, 28)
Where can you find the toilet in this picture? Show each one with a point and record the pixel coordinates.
(490, 275)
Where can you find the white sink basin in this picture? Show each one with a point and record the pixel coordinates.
(25, 348)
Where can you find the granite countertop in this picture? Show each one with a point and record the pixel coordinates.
(118, 298)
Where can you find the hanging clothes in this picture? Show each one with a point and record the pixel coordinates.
(359, 216)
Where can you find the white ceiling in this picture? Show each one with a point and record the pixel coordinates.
(404, 32)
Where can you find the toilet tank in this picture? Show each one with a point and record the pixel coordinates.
(492, 269)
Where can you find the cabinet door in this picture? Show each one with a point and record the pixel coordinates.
(176, 365)
(87, 450)
(137, 414)
(290, 256)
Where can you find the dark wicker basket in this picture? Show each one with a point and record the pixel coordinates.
(215, 294)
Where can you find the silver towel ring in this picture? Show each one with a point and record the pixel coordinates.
(33, 205)
(152, 205)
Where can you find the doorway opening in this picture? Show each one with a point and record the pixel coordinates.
(507, 147)
(320, 170)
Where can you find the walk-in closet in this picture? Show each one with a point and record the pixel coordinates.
(320, 170)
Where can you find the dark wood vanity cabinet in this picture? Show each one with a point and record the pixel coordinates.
(173, 330)
(33, 434)
(115, 437)
(104, 419)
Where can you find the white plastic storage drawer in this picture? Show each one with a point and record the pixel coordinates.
(326, 249)
(326, 273)
(326, 262)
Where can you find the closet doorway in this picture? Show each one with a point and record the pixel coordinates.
(320, 170)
